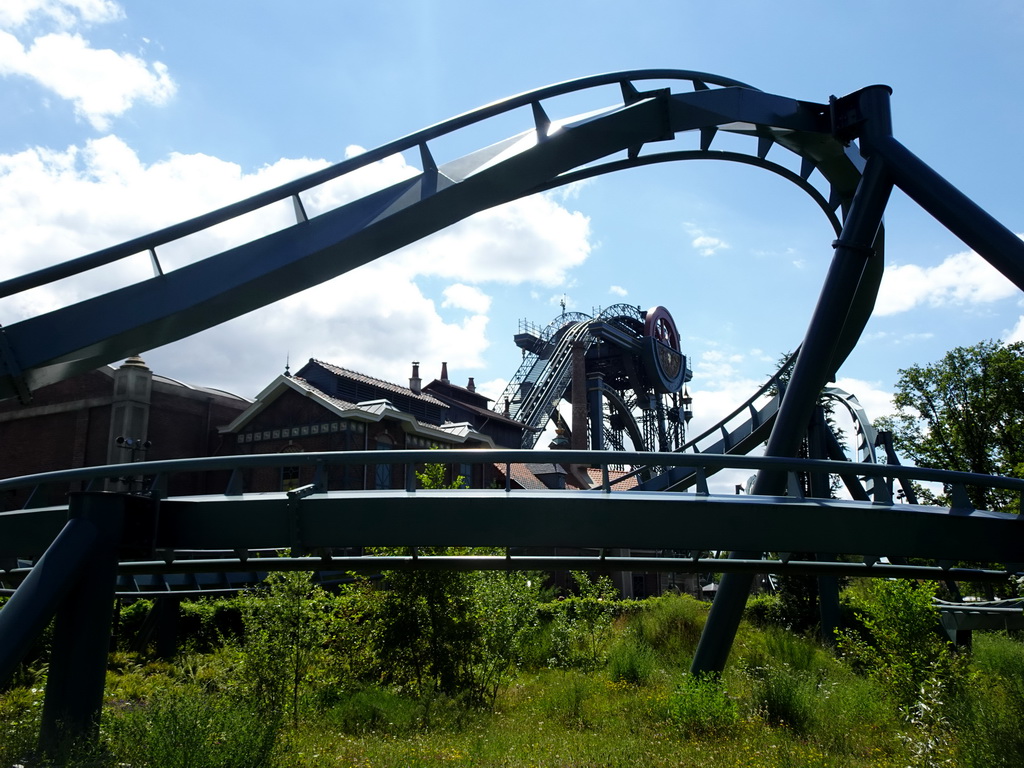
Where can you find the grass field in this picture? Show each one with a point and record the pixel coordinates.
(602, 683)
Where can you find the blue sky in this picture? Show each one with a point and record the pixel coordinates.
(121, 117)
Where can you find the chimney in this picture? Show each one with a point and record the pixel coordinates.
(415, 381)
(444, 373)
(472, 385)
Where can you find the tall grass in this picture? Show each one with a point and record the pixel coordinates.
(784, 700)
(188, 727)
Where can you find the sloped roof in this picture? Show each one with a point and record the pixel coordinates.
(624, 485)
(343, 405)
(371, 410)
(388, 386)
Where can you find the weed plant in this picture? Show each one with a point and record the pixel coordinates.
(631, 660)
(625, 700)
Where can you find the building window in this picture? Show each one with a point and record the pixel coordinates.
(291, 477)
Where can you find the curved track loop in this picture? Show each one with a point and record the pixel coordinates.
(175, 304)
(748, 426)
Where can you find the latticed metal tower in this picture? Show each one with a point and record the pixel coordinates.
(620, 369)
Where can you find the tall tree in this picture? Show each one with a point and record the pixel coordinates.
(965, 413)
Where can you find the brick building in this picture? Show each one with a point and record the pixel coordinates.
(323, 407)
(78, 423)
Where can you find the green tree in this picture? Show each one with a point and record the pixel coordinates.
(451, 632)
(964, 413)
(286, 627)
(903, 649)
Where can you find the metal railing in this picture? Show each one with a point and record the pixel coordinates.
(702, 463)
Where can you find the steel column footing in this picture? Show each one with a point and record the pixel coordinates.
(82, 629)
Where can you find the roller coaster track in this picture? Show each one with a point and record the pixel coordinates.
(177, 303)
(182, 535)
(75, 576)
(738, 436)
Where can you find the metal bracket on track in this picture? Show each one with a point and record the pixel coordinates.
(12, 369)
(295, 498)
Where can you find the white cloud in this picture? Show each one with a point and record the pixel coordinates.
(101, 84)
(706, 245)
(618, 290)
(714, 367)
(56, 205)
(1017, 332)
(899, 339)
(703, 243)
(63, 13)
(529, 240)
(492, 389)
(963, 278)
(467, 297)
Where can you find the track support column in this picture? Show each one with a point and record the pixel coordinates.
(814, 364)
(81, 638)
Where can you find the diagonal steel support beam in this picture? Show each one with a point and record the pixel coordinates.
(33, 605)
(81, 635)
(954, 210)
(815, 365)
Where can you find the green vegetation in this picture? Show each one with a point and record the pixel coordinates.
(964, 413)
(293, 675)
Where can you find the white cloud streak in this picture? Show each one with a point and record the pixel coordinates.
(703, 243)
(101, 84)
(963, 278)
(63, 13)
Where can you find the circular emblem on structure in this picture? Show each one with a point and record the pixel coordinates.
(658, 324)
(666, 365)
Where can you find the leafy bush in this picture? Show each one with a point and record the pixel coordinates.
(207, 623)
(581, 626)
(904, 649)
(765, 609)
(286, 626)
(453, 633)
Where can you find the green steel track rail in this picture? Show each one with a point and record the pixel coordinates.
(225, 533)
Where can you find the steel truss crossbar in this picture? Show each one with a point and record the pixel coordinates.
(350, 566)
(608, 563)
